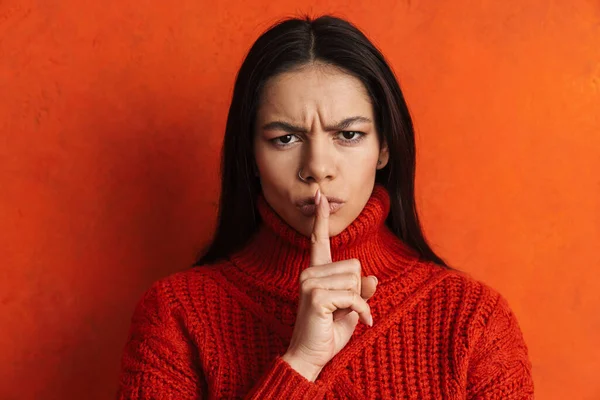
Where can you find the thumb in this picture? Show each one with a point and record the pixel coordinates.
(368, 286)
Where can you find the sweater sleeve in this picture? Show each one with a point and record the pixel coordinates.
(281, 381)
(499, 367)
(159, 361)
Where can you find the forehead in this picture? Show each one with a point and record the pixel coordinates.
(316, 88)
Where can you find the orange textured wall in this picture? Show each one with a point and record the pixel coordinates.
(111, 118)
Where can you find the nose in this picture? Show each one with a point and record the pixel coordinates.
(318, 160)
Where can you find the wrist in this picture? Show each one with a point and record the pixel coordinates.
(307, 370)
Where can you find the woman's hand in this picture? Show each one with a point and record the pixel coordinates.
(332, 300)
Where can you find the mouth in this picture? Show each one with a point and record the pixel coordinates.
(308, 208)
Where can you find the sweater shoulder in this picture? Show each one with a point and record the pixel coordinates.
(462, 286)
(183, 294)
(457, 284)
(191, 285)
(475, 304)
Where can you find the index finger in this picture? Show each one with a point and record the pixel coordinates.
(320, 252)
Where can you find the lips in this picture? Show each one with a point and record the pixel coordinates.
(309, 209)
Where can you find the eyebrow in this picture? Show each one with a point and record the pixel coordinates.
(287, 127)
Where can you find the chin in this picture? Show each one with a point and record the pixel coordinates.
(335, 230)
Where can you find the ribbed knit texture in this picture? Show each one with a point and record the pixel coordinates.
(219, 331)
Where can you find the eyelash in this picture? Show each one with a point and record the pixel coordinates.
(360, 137)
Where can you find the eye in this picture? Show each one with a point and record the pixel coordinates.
(283, 141)
(351, 136)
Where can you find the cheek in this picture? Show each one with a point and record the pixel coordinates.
(276, 169)
(263, 160)
(363, 162)
(273, 167)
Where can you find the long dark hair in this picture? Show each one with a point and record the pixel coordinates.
(287, 45)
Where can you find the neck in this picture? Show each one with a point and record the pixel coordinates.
(277, 254)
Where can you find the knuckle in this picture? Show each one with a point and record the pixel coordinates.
(318, 237)
(316, 297)
(305, 275)
(307, 286)
(315, 292)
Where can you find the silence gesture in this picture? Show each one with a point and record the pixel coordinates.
(333, 298)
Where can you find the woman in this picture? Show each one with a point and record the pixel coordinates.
(317, 231)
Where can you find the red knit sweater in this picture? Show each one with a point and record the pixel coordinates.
(218, 331)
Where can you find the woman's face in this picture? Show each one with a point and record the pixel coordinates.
(320, 120)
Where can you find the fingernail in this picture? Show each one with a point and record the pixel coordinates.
(318, 197)
(375, 278)
(370, 320)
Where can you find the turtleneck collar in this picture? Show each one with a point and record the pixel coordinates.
(277, 253)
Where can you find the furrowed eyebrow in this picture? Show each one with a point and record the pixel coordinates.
(289, 128)
(283, 126)
(346, 123)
